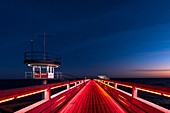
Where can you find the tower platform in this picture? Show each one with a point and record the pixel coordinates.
(41, 59)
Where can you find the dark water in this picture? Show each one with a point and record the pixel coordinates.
(20, 83)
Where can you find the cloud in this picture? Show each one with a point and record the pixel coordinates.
(150, 70)
(155, 53)
(166, 41)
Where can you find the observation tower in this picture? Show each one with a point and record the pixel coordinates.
(42, 63)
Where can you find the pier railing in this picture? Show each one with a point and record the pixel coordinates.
(50, 102)
(130, 101)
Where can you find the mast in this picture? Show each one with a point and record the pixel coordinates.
(32, 50)
(44, 45)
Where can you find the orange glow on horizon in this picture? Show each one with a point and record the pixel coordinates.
(158, 74)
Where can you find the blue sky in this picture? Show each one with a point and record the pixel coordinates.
(119, 38)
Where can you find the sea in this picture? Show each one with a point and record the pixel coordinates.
(20, 83)
(7, 84)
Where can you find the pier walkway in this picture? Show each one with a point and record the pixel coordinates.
(92, 99)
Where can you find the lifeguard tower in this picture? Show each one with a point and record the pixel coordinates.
(42, 63)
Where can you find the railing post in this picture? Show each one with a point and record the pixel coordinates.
(47, 95)
(115, 85)
(108, 83)
(75, 83)
(33, 72)
(68, 86)
(134, 92)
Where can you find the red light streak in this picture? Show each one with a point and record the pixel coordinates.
(21, 96)
(149, 91)
(125, 85)
(122, 97)
(59, 99)
(57, 86)
(123, 102)
(166, 95)
(5, 100)
(58, 105)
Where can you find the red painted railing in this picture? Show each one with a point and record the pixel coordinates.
(50, 103)
(131, 102)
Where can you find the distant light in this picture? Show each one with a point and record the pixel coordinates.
(29, 64)
(103, 77)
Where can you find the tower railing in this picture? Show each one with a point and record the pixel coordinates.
(131, 101)
(41, 56)
(50, 102)
(28, 75)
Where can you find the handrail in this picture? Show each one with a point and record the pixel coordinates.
(9, 95)
(41, 52)
(131, 101)
(6, 94)
(165, 91)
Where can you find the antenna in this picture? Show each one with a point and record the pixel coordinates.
(44, 45)
(32, 49)
(44, 41)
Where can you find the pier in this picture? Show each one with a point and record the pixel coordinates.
(83, 96)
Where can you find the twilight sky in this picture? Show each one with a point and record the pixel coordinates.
(120, 38)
